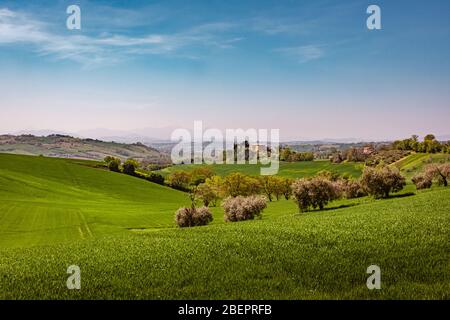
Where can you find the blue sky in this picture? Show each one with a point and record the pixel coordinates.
(310, 68)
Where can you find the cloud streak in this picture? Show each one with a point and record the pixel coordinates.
(302, 54)
(20, 28)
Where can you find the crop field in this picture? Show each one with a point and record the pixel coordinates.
(120, 231)
(47, 200)
(287, 169)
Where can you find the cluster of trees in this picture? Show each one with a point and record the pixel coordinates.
(318, 191)
(129, 167)
(289, 155)
(428, 145)
(236, 184)
(439, 173)
(115, 164)
(386, 157)
(387, 154)
(352, 154)
(186, 180)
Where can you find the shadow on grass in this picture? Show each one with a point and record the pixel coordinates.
(338, 207)
(326, 209)
(403, 195)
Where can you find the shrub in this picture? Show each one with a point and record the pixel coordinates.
(155, 177)
(192, 217)
(422, 181)
(243, 208)
(380, 182)
(315, 193)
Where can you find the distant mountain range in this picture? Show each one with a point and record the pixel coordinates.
(63, 146)
(155, 136)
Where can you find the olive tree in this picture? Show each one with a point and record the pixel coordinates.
(381, 181)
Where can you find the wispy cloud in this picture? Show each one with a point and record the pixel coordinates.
(302, 54)
(21, 28)
(274, 27)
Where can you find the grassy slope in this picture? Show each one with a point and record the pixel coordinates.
(287, 169)
(416, 162)
(46, 200)
(315, 255)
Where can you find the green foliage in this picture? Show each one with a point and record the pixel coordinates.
(113, 163)
(289, 155)
(179, 180)
(208, 194)
(429, 144)
(238, 184)
(199, 175)
(130, 166)
(155, 178)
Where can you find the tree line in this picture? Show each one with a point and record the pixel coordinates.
(429, 144)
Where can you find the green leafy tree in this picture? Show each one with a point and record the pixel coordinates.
(130, 166)
(179, 180)
(113, 163)
(313, 193)
(238, 184)
(207, 194)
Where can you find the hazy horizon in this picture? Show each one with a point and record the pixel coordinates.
(163, 135)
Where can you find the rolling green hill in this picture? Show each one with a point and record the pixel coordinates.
(318, 255)
(47, 200)
(120, 231)
(287, 169)
(416, 162)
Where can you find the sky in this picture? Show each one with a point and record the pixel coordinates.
(310, 68)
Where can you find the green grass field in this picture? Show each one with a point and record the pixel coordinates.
(287, 169)
(120, 231)
(47, 200)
